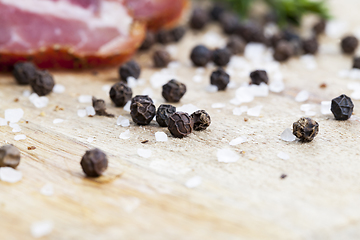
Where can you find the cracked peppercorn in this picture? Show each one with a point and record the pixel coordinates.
(173, 91)
(100, 107)
(9, 156)
(356, 62)
(310, 46)
(283, 51)
(198, 19)
(142, 111)
(236, 45)
(221, 57)
(201, 120)
(258, 77)
(229, 23)
(163, 113)
(94, 162)
(129, 69)
(200, 55)
(178, 33)
(305, 129)
(220, 79)
(349, 44)
(138, 98)
(342, 107)
(161, 58)
(23, 72)
(42, 83)
(120, 94)
(164, 37)
(180, 124)
(149, 41)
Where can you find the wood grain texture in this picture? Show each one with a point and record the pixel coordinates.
(141, 198)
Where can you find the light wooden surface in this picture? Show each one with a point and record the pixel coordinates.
(146, 198)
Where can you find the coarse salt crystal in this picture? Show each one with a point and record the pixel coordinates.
(14, 115)
(193, 182)
(261, 90)
(237, 62)
(309, 61)
(307, 107)
(197, 78)
(172, 49)
(354, 73)
(158, 79)
(145, 153)
(26, 93)
(174, 65)
(211, 88)
(244, 95)
(90, 111)
(336, 28)
(277, 86)
(85, 99)
(16, 129)
(3, 122)
(254, 51)
(106, 88)
(39, 102)
(356, 95)
(353, 86)
(187, 108)
(125, 135)
(302, 96)
(127, 106)
(161, 137)
(213, 39)
(240, 110)
(326, 107)
(255, 111)
(344, 73)
(19, 137)
(200, 70)
(238, 141)
(58, 88)
(227, 155)
(287, 135)
(235, 102)
(148, 91)
(58, 120)
(122, 121)
(218, 105)
(90, 139)
(231, 85)
(131, 82)
(42, 228)
(81, 112)
(283, 155)
(47, 190)
(10, 175)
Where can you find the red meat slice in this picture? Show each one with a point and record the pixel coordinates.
(67, 33)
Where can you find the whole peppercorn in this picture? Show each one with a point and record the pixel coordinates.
(94, 163)
(319, 27)
(129, 69)
(42, 83)
(349, 44)
(139, 98)
(9, 156)
(164, 37)
(356, 62)
(173, 91)
(200, 55)
(229, 22)
(342, 107)
(180, 124)
(148, 41)
(258, 77)
(310, 46)
(305, 129)
(251, 32)
(23, 72)
(283, 51)
(220, 79)
(216, 11)
(201, 120)
(198, 19)
(120, 94)
(142, 111)
(161, 58)
(290, 35)
(178, 33)
(100, 107)
(221, 57)
(163, 113)
(236, 45)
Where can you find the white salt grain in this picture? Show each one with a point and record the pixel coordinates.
(122, 121)
(307, 107)
(283, 155)
(90, 140)
(174, 65)
(287, 135)
(106, 88)
(238, 141)
(47, 190)
(302, 96)
(244, 95)
(355, 95)
(145, 153)
(16, 129)
(127, 106)
(336, 28)
(344, 73)
(240, 110)
(197, 78)
(277, 86)
(172, 50)
(125, 135)
(218, 105)
(235, 102)
(3, 122)
(40, 229)
(148, 91)
(309, 61)
(85, 99)
(254, 51)
(90, 111)
(20, 137)
(39, 102)
(26, 93)
(261, 90)
(310, 113)
(200, 70)
(58, 120)
(354, 73)
(58, 88)
(353, 86)
(213, 39)
(187, 108)
(255, 111)
(211, 88)
(193, 182)
(227, 155)
(131, 82)
(231, 85)
(14, 115)
(158, 79)
(10, 175)
(81, 112)
(326, 107)
(161, 137)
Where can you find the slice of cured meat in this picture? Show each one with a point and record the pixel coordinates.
(71, 34)
(158, 13)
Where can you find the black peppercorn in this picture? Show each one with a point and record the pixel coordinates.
(100, 107)
(178, 33)
(180, 124)
(349, 44)
(201, 120)
(342, 107)
(9, 156)
(200, 55)
(161, 58)
(283, 51)
(120, 94)
(164, 37)
(173, 91)
(42, 83)
(258, 77)
(94, 163)
(129, 69)
(220, 79)
(198, 19)
(142, 111)
(356, 62)
(236, 45)
(229, 23)
(221, 57)
(310, 46)
(163, 113)
(319, 27)
(23, 72)
(305, 129)
(148, 41)
(138, 98)
(216, 11)
(290, 35)
(251, 32)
